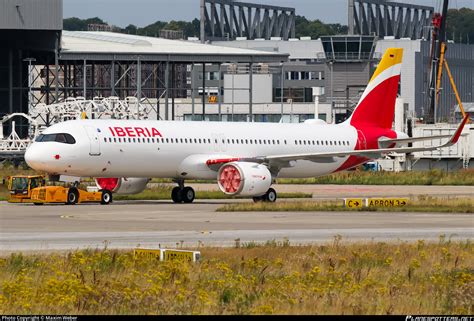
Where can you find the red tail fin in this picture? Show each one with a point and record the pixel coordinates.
(377, 104)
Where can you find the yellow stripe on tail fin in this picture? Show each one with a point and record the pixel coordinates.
(392, 57)
(377, 105)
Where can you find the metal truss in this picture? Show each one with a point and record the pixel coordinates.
(146, 81)
(12, 146)
(97, 108)
(42, 116)
(383, 18)
(228, 19)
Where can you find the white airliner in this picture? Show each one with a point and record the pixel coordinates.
(244, 158)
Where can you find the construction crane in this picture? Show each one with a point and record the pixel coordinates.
(443, 62)
(438, 64)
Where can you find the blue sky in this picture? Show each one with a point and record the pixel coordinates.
(144, 12)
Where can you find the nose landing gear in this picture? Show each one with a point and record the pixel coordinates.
(182, 194)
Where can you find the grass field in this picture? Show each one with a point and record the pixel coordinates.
(420, 204)
(276, 278)
(432, 177)
(357, 177)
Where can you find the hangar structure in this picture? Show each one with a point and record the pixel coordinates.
(147, 68)
(43, 64)
(30, 33)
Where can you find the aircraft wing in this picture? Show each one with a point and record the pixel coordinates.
(330, 156)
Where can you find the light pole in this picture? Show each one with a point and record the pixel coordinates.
(30, 82)
(290, 101)
(282, 86)
(233, 70)
(331, 63)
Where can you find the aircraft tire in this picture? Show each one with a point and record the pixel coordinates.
(106, 197)
(72, 196)
(270, 196)
(188, 195)
(176, 195)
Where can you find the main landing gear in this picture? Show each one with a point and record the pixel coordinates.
(182, 194)
(270, 196)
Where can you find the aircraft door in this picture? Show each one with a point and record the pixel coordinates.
(219, 142)
(94, 141)
(361, 140)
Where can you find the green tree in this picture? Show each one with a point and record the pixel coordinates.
(195, 28)
(339, 29)
(74, 24)
(316, 28)
(152, 30)
(95, 20)
(304, 27)
(130, 29)
(460, 25)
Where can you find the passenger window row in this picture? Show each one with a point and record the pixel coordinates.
(322, 142)
(229, 141)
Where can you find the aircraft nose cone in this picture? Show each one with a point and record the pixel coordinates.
(29, 156)
(33, 157)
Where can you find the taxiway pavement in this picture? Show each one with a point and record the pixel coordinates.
(130, 224)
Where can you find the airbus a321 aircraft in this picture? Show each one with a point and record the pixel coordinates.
(244, 158)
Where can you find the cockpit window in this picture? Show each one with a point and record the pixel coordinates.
(59, 138)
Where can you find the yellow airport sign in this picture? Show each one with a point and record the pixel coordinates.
(167, 255)
(386, 202)
(353, 202)
(148, 253)
(190, 256)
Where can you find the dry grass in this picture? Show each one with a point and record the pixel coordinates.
(358, 177)
(420, 204)
(337, 278)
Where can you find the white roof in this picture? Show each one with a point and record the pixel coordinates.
(295, 48)
(97, 42)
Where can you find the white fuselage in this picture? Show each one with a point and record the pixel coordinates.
(165, 149)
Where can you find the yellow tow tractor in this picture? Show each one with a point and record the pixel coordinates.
(33, 189)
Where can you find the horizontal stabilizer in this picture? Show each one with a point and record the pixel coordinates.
(388, 142)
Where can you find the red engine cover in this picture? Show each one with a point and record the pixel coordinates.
(230, 179)
(109, 184)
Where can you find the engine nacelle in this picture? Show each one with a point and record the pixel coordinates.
(124, 185)
(244, 178)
